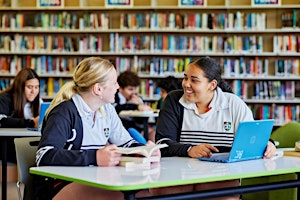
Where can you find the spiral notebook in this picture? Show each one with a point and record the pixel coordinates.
(249, 143)
(43, 108)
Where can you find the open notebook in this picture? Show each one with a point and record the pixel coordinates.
(43, 108)
(250, 142)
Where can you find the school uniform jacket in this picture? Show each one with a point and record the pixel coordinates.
(65, 131)
(7, 119)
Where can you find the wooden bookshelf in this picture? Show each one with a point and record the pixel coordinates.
(135, 38)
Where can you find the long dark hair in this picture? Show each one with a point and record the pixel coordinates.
(212, 71)
(17, 90)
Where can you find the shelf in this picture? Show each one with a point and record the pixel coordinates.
(142, 30)
(151, 8)
(273, 101)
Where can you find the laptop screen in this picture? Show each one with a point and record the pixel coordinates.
(43, 109)
(251, 139)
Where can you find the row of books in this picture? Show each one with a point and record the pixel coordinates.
(281, 113)
(200, 44)
(164, 66)
(158, 42)
(149, 20)
(283, 90)
(287, 67)
(259, 67)
(266, 90)
(153, 66)
(46, 43)
(50, 43)
(245, 67)
(290, 19)
(286, 43)
(42, 64)
(63, 20)
(49, 87)
(153, 20)
(94, 21)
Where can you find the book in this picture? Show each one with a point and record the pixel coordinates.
(142, 150)
(140, 159)
(291, 153)
(127, 164)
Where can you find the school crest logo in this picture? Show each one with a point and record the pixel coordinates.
(227, 126)
(106, 132)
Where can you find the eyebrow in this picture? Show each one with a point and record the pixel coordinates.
(192, 76)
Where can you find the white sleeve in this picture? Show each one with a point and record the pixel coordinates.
(119, 135)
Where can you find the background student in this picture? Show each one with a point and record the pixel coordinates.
(201, 119)
(127, 98)
(166, 85)
(20, 104)
(82, 128)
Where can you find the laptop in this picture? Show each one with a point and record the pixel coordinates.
(249, 143)
(43, 108)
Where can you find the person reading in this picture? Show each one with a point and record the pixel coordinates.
(82, 128)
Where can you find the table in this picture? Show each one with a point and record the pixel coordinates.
(142, 114)
(5, 134)
(174, 171)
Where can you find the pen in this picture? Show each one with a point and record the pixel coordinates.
(137, 136)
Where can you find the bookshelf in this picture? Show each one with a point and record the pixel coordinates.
(257, 46)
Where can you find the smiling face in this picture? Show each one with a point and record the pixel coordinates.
(32, 89)
(197, 88)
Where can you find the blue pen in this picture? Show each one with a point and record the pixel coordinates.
(137, 136)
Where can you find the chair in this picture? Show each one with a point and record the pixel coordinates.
(25, 153)
(285, 136)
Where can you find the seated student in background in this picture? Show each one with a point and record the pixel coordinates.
(20, 104)
(127, 98)
(166, 85)
(82, 128)
(197, 121)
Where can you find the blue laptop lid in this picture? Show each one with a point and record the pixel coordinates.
(251, 139)
(43, 109)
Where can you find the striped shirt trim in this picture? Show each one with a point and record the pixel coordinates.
(213, 138)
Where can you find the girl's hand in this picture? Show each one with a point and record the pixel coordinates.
(202, 151)
(270, 150)
(156, 152)
(36, 121)
(107, 157)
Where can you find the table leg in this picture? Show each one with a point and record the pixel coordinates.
(130, 195)
(298, 188)
(146, 131)
(4, 167)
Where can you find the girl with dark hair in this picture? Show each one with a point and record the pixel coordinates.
(201, 119)
(20, 104)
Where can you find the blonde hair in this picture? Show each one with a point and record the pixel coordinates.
(88, 72)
